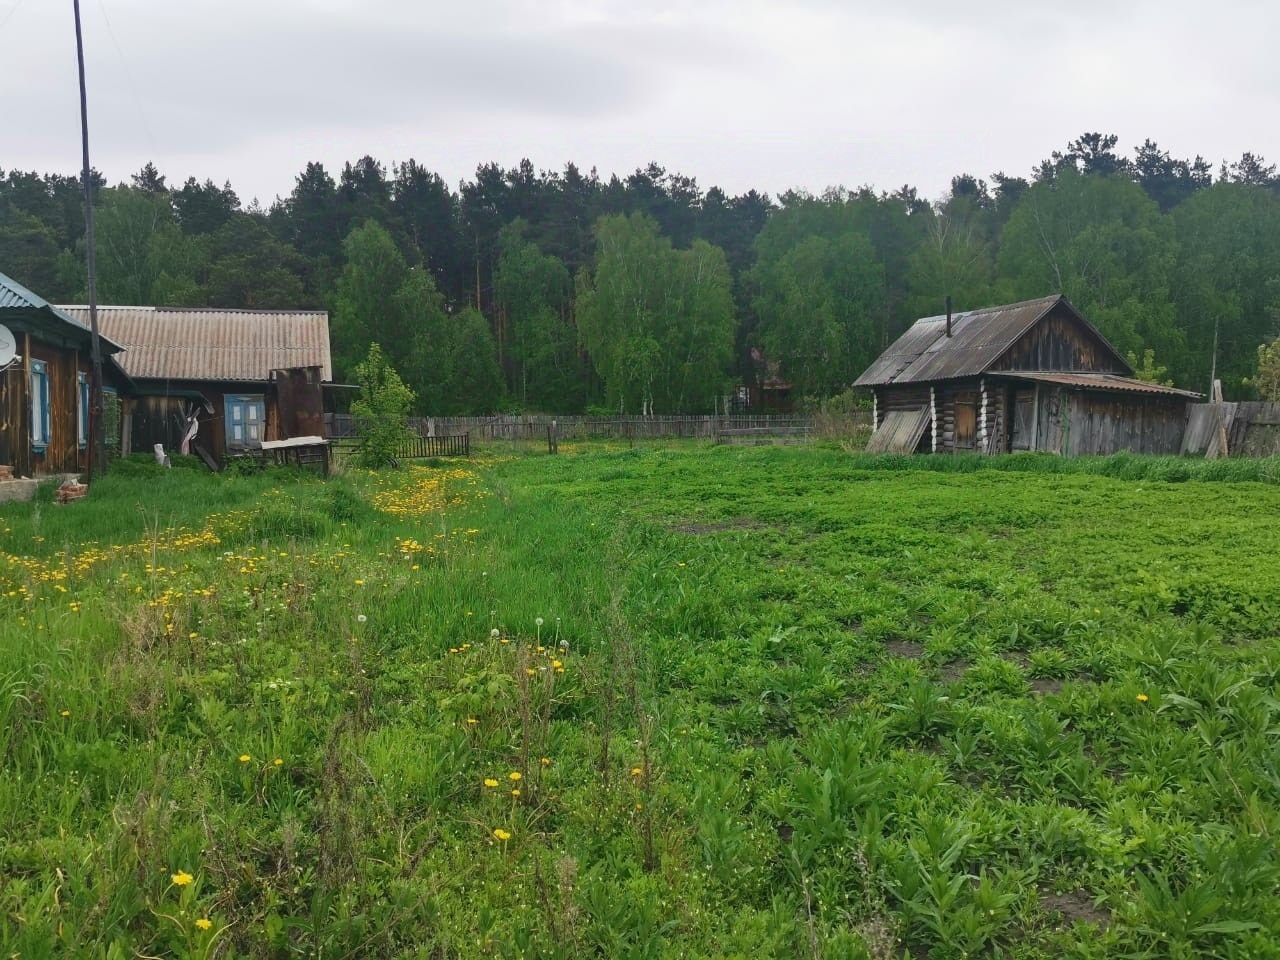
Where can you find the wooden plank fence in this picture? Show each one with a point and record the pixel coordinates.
(458, 445)
(534, 427)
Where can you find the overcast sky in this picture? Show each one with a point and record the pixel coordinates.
(737, 93)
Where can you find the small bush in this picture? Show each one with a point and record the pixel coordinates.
(382, 411)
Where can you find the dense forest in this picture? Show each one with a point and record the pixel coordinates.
(564, 291)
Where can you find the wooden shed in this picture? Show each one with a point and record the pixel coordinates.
(44, 384)
(243, 376)
(1025, 376)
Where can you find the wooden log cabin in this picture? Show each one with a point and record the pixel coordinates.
(44, 385)
(245, 376)
(1025, 376)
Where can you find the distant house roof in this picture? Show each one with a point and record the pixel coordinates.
(978, 339)
(209, 343)
(15, 299)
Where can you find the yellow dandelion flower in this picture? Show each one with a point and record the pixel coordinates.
(1142, 698)
(515, 792)
(244, 758)
(181, 878)
(204, 923)
(490, 783)
(514, 775)
(502, 835)
(278, 761)
(636, 771)
(64, 713)
(545, 761)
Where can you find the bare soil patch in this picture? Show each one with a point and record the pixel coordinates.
(907, 649)
(1043, 686)
(1073, 906)
(954, 670)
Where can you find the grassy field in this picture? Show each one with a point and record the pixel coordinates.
(685, 702)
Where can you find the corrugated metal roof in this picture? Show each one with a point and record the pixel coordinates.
(208, 343)
(1097, 381)
(978, 338)
(14, 296)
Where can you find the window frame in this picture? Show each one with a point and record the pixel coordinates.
(234, 403)
(82, 410)
(41, 415)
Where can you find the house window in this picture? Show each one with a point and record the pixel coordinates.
(39, 406)
(82, 421)
(245, 420)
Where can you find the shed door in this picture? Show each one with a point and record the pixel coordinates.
(1023, 435)
(966, 420)
(246, 417)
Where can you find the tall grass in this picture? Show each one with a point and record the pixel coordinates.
(768, 702)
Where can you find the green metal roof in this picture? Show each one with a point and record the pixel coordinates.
(15, 298)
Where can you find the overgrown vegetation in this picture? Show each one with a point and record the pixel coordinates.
(696, 701)
(381, 410)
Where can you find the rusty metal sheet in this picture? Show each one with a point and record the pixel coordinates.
(209, 343)
(1096, 381)
(899, 432)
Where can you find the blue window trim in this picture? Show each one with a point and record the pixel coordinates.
(41, 433)
(231, 400)
(82, 424)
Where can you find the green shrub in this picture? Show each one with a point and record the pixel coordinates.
(381, 411)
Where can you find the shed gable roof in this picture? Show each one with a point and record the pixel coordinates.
(208, 343)
(978, 339)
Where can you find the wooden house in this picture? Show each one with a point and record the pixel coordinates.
(1026, 376)
(45, 375)
(238, 376)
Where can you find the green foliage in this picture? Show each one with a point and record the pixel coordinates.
(143, 256)
(1104, 244)
(1267, 379)
(1147, 369)
(656, 321)
(1150, 247)
(1227, 280)
(812, 704)
(381, 411)
(819, 306)
(533, 293)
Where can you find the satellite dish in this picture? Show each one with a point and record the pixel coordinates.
(8, 346)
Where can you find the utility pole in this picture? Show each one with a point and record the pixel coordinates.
(1213, 364)
(96, 445)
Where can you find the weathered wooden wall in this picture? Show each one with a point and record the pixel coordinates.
(299, 402)
(63, 454)
(15, 450)
(1059, 342)
(1086, 422)
(160, 417)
